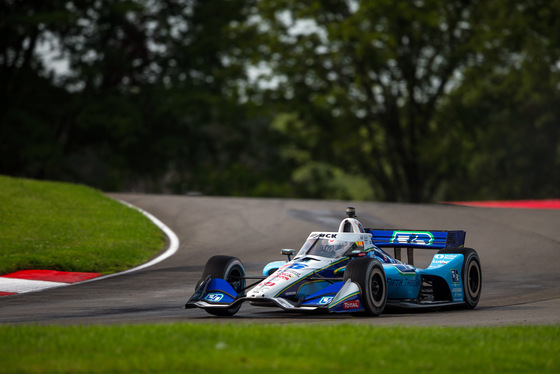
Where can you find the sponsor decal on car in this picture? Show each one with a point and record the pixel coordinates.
(403, 282)
(214, 297)
(326, 300)
(326, 235)
(297, 266)
(413, 237)
(411, 282)
(440, 260)
(354, 304)
(284, 276)
(445, 256)
(455, 275)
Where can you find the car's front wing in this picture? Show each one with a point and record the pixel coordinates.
(340, 297)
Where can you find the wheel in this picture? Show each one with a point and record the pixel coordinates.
(232, 271)
(471, 274)
(368, 273)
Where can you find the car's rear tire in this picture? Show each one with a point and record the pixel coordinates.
(471, 274)
(232, 271)
(369, 275)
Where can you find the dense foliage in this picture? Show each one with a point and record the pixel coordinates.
(389, 100)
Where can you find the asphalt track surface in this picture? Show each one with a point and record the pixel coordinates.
(519, 250)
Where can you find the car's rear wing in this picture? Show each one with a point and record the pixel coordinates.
(411, 239)
(418, 239)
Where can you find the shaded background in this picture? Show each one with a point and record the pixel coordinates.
(365, 100)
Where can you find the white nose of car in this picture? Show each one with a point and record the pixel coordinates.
(256, 295)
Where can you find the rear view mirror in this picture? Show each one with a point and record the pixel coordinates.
(288, 252)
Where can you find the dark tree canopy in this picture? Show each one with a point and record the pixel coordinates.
(386, 100)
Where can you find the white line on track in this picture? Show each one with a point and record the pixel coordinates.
(17, 285)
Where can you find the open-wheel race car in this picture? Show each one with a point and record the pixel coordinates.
(348, 271)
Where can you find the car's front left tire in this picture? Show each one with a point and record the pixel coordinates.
(369, 275)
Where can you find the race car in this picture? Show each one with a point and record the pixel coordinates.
(348, 271)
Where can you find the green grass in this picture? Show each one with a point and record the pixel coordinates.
(61, 226)
(229, 348)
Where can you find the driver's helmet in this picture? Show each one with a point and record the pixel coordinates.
(328, 249)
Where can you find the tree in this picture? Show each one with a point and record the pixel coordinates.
(32, 119)
(507, 107)
(365, 84)
(148, 102)
(369, 77)
(386, 100)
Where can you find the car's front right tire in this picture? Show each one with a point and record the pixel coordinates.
(232, 271)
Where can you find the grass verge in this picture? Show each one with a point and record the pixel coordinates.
(61, 226)
(221, 348)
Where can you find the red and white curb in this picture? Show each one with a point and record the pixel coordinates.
(37, 280)
(517, 204)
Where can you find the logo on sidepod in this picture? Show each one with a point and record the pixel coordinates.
(455, 275)
(445, 256)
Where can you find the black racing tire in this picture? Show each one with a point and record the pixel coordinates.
(369, 275)
(471, 274)
(232, 271)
